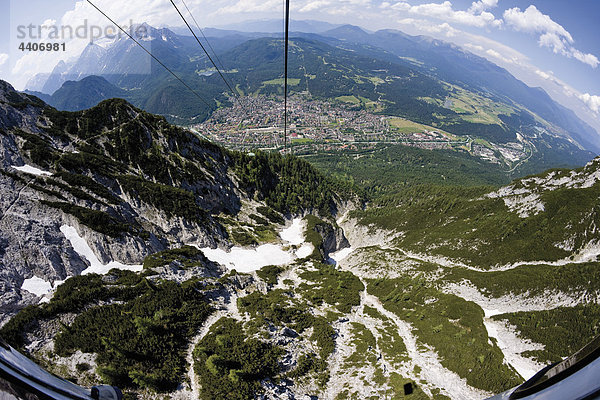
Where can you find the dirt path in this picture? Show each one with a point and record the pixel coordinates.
(228, 309)
(432, 371)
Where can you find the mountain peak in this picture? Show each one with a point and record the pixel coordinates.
(346, 30)
(6, 87)
(85, 93)
(8, 94)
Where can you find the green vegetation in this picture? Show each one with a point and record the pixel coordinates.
(258, 219)
(287, 184)
(277, 307)
(391, 169)
(38, 147)
(283, 309)
(271, 215)
(186, 256)
(464, 225)
(405, 126)
(84, 161)
(340, 289)
(324, 336)
(94, 219)
(243, 237)
(562, 331)
(531, 280)
(308, 363)
(140, 336)
(79, 194)
(453, 326)
(230, 365)
(365, 347)
(140, 342)
(174, 201)
(71, 296)
(279, 81)
(83, 181)
(348, 99)
(398, 384)
(270, 273)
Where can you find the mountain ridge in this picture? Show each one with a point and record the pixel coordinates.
(128, 182)
(440, 60)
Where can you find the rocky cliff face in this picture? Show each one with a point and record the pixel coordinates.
(333, 238)
(129, 184)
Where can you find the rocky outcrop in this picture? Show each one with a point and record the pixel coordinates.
(333, 238)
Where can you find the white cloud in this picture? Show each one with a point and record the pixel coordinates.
(482, 5)
(554, 42)
(532, 20)
(589, 59)
(552, 34)
(250, 6)
(497, 55)
(427, 27)
(475, 47)
(314, 5)
(3, 58)
(544, 75)
(475, 16)
(593, 102)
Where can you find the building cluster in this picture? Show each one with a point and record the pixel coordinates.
(329, 126)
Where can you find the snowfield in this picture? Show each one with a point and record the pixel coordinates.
(84, 250)
(335, 258)
(294, 234)
(32, 170)
(252, 259)
(248, 260)
(37, 286)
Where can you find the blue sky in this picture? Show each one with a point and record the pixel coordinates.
(549, 43)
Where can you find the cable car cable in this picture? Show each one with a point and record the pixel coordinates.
(151, 55)
(203, 35)
(285, 73)
(209, 57)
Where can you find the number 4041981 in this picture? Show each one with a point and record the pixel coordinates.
(42, 47)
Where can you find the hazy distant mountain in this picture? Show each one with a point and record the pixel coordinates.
(455, 65)
(42, 96)
(36, 83)
(86, 93)
(414, 77)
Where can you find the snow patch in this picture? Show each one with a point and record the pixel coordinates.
(82, 248)
(339, 255)
(294, 234)
(252, 259)
(32, 170)
(248, 260)
(37, 286)
(305, 251)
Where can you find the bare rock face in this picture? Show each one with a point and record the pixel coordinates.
(31, 241)
(333, 238)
